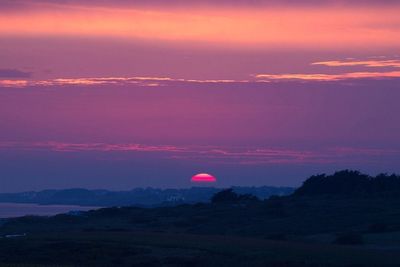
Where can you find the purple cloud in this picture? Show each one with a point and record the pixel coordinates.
(217, 154)
(14, 73)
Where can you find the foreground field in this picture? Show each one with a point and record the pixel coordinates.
(164, 249)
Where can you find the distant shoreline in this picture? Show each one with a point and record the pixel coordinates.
(12, 210)
(139, 197)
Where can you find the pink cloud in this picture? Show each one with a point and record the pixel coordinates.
(162, 81)
(220, 155)
(13, 83)
(367, 63)
(330, 77)
(393, 63)
(88, 81)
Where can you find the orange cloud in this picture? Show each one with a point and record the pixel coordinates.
(367, 63)
(330, 77)
(141, 81)
(272, 26)
(162, 81)
(13, 83)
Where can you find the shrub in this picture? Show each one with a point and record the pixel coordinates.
(225, 196)
(277, 237)
(377, 228)
(349, 239)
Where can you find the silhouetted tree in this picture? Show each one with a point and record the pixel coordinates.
(349, 239)
(348, 182)
(228, 196)
(377, 228)
(277, 236)
(225, 196)
(275, 206)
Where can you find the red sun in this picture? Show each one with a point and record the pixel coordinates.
(203, 178)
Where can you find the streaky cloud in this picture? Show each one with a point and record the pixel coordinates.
(330, 77)
(138, 80)
(221, 155)
(366, 63)
(14, 83)
(163, 81)
(13, 73)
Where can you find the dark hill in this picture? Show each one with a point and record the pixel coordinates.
(350, 183)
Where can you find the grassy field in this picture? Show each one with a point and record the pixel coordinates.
(163, 249)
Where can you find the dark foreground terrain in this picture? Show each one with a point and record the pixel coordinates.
(167, 249)
(347, 219)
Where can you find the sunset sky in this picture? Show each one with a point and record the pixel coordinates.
(119, 94)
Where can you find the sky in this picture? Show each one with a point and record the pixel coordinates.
(122, 94)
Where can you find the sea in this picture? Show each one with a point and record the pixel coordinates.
(9, 210)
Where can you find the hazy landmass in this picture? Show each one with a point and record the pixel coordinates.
(146, 197)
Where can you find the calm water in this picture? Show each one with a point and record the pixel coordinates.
(8, 210)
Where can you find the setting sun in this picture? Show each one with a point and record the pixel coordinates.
(203, 178)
